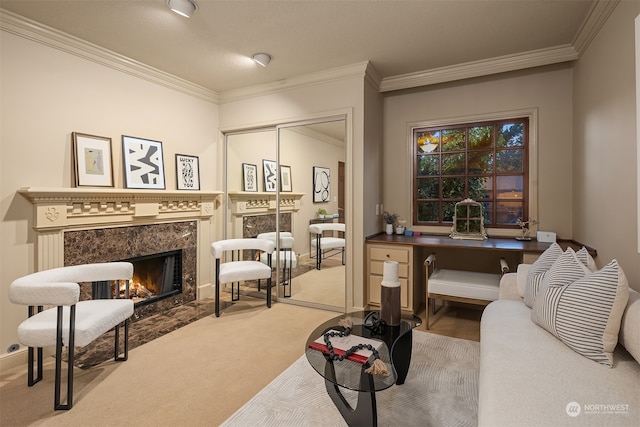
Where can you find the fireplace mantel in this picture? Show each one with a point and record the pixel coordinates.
(244, 203)
(61, 208)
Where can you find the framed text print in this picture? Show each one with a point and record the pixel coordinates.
(187, 172)
(92, 160)
(321, 184)
(249, 177)
(143, 163)
(285, 178)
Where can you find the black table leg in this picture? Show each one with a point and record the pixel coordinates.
(365, 413)
(401, 355)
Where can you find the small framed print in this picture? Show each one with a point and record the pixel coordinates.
(285, 178)
(187, 172)
(143, 163)
(92, 160)
(321, 184)
(249, 177)
(270, 175)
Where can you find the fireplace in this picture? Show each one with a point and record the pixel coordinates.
(155, 277)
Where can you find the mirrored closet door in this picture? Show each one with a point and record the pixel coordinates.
(278, 180)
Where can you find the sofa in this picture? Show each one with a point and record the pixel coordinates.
(529, 377)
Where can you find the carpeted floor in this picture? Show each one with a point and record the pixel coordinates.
(441, 390)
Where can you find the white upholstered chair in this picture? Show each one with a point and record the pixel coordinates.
(286, 256)
(239, 269)
(72, 323)
(329, 245)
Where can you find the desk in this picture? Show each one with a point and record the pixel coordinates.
(468, 255)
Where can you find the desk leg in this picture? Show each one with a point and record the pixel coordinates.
(401, 356)
(365, 413)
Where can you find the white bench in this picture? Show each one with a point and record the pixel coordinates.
(460, 286)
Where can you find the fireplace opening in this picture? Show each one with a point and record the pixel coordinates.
(155, 277)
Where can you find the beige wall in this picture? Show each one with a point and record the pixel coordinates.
(548, 90)
(46, 95)
(605, 144)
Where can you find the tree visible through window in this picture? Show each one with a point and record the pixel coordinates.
(486, 162)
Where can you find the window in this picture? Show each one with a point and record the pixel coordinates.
(486, 162)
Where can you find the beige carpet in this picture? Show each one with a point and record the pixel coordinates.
(441, 390)
(325, 286)
(197, 375)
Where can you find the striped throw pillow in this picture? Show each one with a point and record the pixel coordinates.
(586, 314)
(586, 258)
(538, 268)
(564, 271)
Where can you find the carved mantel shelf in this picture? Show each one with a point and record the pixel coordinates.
(243, 203)
(61, 208)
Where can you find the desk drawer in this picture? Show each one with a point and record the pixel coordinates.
(389, 254)
(377, 267)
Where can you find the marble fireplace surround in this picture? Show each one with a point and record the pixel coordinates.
(78, 225)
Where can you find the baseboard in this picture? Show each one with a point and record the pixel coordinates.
(205, 291)
(13, 359)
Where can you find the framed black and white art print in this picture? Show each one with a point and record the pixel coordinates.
(270, 175)
(249, 177)
(143, 163)
(92, 160)
(187, 172)
(321, 184)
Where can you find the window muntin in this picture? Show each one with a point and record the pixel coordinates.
(484, 161)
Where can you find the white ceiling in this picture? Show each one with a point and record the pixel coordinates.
(398, 37)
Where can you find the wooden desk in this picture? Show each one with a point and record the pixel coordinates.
(466, 255)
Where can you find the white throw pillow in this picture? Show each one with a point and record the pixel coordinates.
(586, 314)
(538, 268)
(564, 271)
(586, 258)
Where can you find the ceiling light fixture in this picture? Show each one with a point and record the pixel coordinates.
(185, 8)
(262, 58)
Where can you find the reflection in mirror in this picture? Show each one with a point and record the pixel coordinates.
(255, 190)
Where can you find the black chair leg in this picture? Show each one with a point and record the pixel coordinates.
(116, 349)
(70, 359)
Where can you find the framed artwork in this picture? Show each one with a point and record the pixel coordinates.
(143, 163)
(92, 160)
(270, 175)
(249, 177)
(285, 178)
(187, 172)
(321, 184)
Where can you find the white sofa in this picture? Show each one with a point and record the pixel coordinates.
(528, 377)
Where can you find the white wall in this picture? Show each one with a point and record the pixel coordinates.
(547, 89)
(46, 95)
(605, 144)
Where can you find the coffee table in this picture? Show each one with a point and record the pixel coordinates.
(395, 351)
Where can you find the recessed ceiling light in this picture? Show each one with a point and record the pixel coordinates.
(185, 8)
(262, 58)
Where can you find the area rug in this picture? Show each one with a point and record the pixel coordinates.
(441, 390)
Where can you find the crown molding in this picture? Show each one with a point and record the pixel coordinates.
(335, 74)
(595, 19)
(485, 67)
(40, 33)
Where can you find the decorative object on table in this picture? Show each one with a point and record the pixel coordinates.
(321, 184)
(92, 160)
(143, 163)
(400, 228)
(390, 294)
(249, 177)
(187, 172)
(524, 229)
(546, 236)
(270, 170)
(410, 233)
(389, 221)
(468, 221)
(285, 178)
(321, 213)
(361, 351)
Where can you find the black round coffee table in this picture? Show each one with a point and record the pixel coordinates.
(394, 351)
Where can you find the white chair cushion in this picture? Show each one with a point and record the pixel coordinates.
(329, 243)
(235, 271)
(286, 238)
(219, 247)
(289, 256)
(93, 318)
(328, 226)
